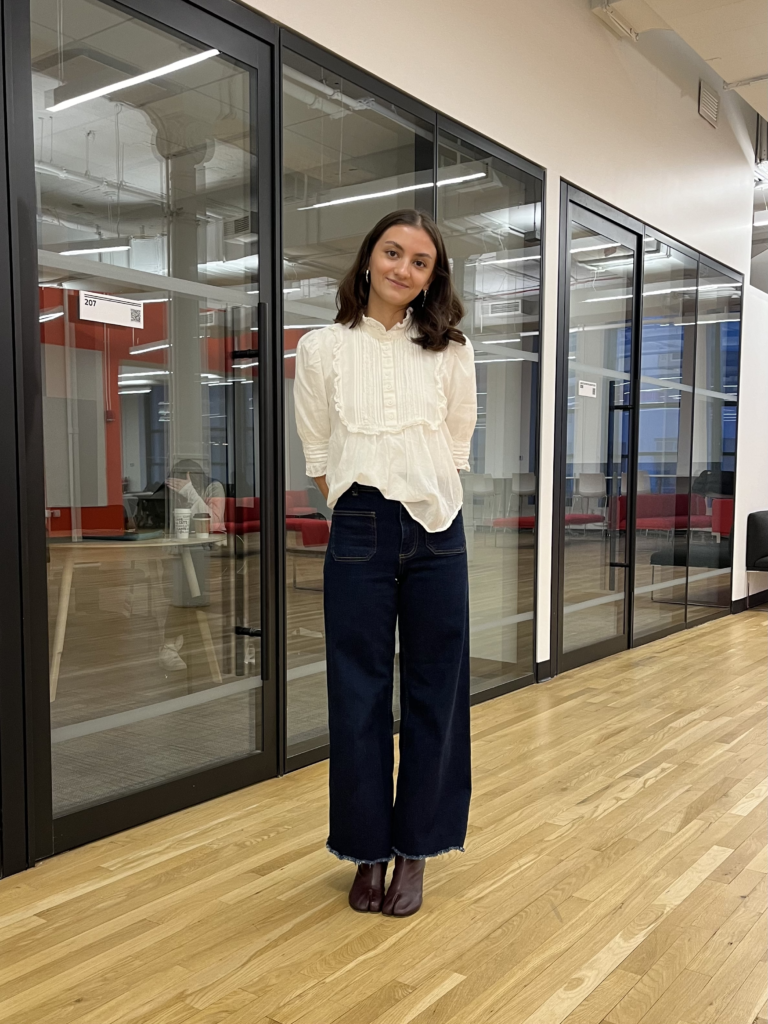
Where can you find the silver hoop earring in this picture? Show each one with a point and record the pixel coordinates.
(367, 277)
(425, 294)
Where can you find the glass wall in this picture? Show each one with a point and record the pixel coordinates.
(647, 503)
(490, 215)
(713, 440)
(664, 453)
(348, 158)
(148, 251)
(601, 304)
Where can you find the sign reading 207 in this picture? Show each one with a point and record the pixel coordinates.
(111, 309)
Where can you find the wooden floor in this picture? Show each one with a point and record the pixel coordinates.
(615, 872)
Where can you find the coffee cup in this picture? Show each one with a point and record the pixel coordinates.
(202, 522)
(182, 517)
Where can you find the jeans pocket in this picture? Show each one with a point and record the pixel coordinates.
(353, 536)
(451, 541)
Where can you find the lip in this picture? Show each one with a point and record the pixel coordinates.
(397, 283)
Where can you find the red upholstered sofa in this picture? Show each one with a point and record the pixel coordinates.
(243, 515)
(666, 512)
(515, 523)
(528, 522)
(722, 516)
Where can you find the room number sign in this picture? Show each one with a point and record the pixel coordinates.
(111, 309)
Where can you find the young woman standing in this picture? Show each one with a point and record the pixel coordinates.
(386, 405)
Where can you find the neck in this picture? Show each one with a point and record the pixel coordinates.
(387, 314)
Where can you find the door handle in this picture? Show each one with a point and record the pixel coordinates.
(247, 631)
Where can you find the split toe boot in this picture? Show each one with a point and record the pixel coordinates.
(405, 893)
(367, 892)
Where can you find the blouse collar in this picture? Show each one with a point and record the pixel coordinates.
(378, 328)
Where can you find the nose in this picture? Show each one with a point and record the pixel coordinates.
(401, 269)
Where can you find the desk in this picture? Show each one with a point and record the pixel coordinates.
(75, 552)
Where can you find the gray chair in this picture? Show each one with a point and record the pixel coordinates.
(757, 544)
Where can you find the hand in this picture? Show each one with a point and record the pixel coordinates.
(322, 486)
(176, 484)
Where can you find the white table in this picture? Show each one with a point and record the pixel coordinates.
(75, 552)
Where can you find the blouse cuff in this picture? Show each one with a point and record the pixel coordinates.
(461, 455)
(316, 456)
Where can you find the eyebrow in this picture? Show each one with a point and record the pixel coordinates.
(397, 245)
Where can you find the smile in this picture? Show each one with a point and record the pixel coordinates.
(396, 283)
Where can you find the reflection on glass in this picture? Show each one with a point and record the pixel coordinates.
(490, 215)
(599, 349)
(664, 453)
(713, 442)
(348, 158)
(145, 201)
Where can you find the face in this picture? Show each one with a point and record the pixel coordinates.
(402, 264)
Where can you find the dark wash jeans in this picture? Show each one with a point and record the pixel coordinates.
(384, 571)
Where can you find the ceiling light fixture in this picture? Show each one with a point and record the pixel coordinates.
(512, 259)
(88, 252)
(396, 191)
(127, 83)
(592, 248)
(151, 346)
(136, 391)
(44, 317)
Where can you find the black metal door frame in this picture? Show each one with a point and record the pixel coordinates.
(593, 211)
(29, 831)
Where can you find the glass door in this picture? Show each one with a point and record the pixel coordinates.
(600, 309)
(151, 237)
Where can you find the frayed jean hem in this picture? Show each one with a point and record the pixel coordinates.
(426, 856)
(395, 853)
(355, 860)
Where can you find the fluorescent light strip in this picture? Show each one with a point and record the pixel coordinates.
(105, 90)
(136, 350)
(512, 259)
(395, 191)
(592, 248)
(517, 359)
(88, 252)
(143, 373)
(140, 391)
(45, 317)
(609, 298)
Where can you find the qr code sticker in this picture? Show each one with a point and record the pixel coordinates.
(135, 316)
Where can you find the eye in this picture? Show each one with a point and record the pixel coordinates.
(421, 264)
(392, 252)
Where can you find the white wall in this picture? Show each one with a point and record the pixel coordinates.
(618, 119)
(752, 452)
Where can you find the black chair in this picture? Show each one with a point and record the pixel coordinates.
(757, 544)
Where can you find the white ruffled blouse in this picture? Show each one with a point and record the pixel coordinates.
(375, 408)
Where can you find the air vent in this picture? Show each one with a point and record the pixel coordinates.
(709, 103)
(509, 307)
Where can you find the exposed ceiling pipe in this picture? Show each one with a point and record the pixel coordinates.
(103, 184)
(338, 97)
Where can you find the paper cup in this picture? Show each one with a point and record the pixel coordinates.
(202, 522)
(182, 517)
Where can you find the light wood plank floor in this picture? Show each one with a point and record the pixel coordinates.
(615, 874)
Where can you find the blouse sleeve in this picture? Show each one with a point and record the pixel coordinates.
(462, 404)
(313, 420)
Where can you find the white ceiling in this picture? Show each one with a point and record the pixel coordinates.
(730, 35)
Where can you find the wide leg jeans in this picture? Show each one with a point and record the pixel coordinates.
(385, 573)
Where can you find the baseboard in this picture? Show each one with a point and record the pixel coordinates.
(753, 601)
(543, 670)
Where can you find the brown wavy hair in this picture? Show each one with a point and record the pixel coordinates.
(437, 317)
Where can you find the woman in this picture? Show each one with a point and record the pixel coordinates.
(386, 404)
